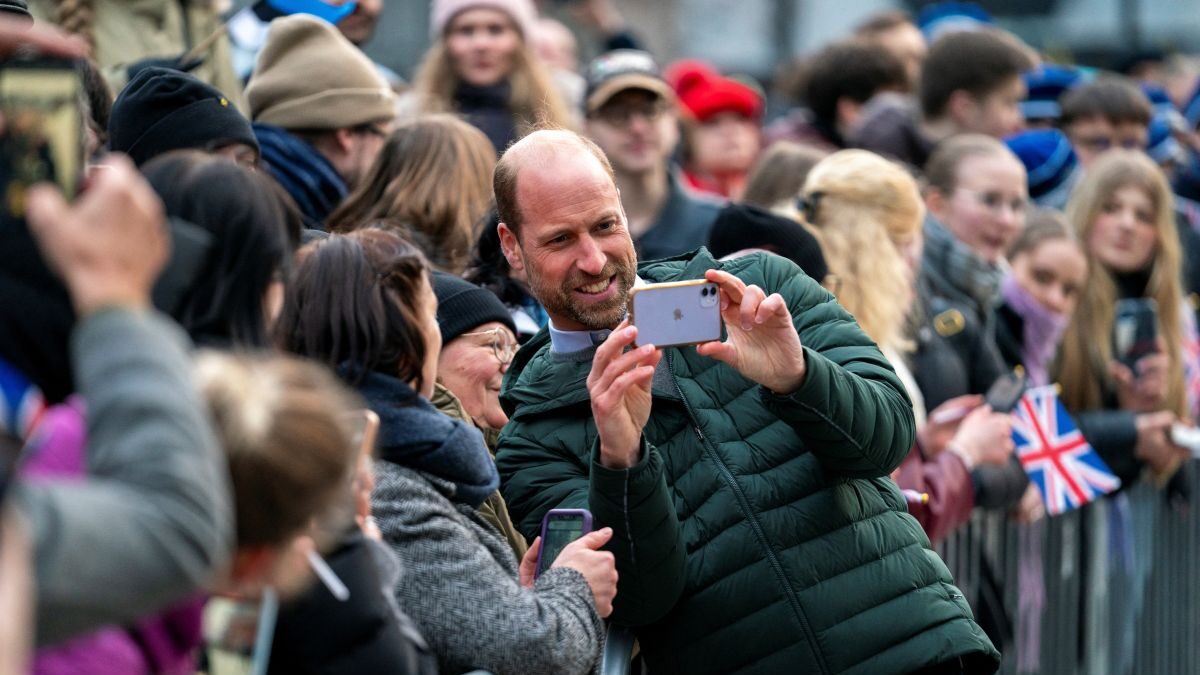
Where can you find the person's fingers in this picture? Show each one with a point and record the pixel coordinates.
(527, 571)
(638, 377)
(732, 288)
(45, 208)
(721, 351)
(1121, 374)
(751, 299)
(1152, 365)
(622, 364)
(611, 348)
(596, 539)
(773, 307)
(1160, 420)
(15, 34)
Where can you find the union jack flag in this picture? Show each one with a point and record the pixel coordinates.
(1066, 470)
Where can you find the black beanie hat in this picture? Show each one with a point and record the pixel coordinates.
(162, 110)
(463, 306)
(741, 226)
(17, 7)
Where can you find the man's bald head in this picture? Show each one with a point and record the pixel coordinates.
(539, 148)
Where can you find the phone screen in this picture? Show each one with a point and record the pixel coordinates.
(41, 129)
(559, 532)
(1135, 329)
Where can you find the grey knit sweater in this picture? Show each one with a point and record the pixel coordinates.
(460, 585)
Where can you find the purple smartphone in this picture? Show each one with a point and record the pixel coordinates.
(559, 528)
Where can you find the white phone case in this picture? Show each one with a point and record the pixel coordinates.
(676, 313)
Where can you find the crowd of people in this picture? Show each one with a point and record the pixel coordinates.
(278, 234)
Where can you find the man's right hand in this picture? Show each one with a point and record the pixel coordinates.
(598, 567)
(619, 386)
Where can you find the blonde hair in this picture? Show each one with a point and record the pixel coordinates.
(1086, 348)
(432, 183)
(864, 205)
(283, 424)
(534, 102)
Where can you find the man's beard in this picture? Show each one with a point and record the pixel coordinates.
(562, 301)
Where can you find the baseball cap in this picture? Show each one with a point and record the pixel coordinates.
(613, 72)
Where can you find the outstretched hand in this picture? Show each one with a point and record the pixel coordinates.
(762, 343)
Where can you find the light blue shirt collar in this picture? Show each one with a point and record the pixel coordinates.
(568, 341)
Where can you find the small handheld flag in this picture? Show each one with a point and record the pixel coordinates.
(1066, 470)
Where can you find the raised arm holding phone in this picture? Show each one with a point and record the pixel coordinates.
(738, 476)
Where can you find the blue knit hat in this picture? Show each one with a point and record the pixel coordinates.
(943, 17)
(1045, 85)
(1050, 164)
(1161, 144)
(1163, 107)
(1191, 110)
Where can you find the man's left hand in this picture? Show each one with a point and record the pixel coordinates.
(762, 343)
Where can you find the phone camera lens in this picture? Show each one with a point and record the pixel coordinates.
(704, 291)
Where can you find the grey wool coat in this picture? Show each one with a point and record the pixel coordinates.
(460, 585)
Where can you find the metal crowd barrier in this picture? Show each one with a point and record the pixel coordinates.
(1119, 587)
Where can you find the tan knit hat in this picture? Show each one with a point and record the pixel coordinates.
(308, 76)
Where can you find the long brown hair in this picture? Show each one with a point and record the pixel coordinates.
(354, 303)
(433, 183)
(534, 102)
(1086, 349)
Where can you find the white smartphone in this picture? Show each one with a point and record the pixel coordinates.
(676, 313)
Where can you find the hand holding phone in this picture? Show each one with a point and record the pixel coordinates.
(581, 554)
(762, 343)
(559, 528)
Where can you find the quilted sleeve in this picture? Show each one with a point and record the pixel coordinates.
(538, 472)
(851, 410)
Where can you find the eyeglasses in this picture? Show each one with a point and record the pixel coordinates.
(995, 202)
(503, 345)
(622, 115)
(372, 129)
(1101, 142)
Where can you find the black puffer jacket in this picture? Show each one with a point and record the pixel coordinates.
(367, 633)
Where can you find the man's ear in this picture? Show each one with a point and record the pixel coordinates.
(962, 107)
(511, 245)
(936, 202)
(344, 140)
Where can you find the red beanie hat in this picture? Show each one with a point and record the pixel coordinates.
(705, 93)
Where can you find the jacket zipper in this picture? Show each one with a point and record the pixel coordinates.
(744, 504)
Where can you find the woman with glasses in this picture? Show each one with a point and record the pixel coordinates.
(478, 343)
(868, 211)
(364, 304)
(976, 200)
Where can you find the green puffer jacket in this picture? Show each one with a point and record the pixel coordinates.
(758, 533)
